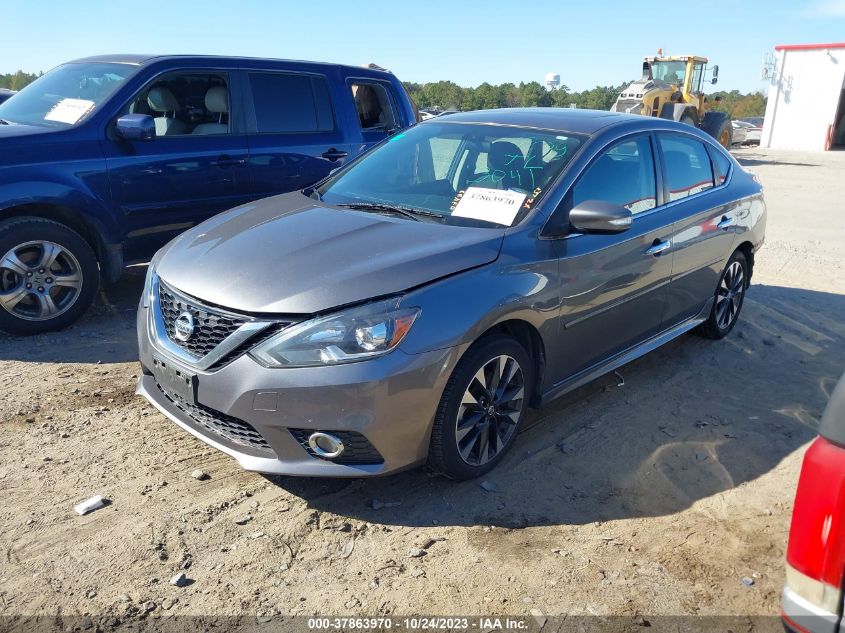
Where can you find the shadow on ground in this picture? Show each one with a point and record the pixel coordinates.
(106, 334)
(755, 160)
(693, 419)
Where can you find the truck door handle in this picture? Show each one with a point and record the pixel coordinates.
(334, 154)
(658, 247)
(226, 161)
(726, 223)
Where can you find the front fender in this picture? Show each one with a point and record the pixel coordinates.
(456, 311)
(82, 202)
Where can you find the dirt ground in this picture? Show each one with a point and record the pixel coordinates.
(668, 495)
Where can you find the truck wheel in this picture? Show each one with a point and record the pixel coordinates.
(718, 125)
(48, 276)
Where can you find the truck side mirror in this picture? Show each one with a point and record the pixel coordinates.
(715, 74)
(136, 127)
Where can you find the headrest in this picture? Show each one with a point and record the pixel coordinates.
(217, 100)
(161, 99)
(504, 156)
(677, 158)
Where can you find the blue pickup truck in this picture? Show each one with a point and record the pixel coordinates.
(105, 159)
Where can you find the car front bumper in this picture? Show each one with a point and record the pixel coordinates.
(391, 401)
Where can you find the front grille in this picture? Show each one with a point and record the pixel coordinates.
(634, 106)
(226, 426)
(210, 327)
(248, 344)
(356, 448)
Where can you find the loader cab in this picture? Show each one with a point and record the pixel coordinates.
(686, 72)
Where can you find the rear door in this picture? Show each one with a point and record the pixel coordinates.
(613, 287)
(293, 132)
(377, 109)
(705, 222)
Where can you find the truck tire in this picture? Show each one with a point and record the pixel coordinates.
(48, 276)
(718, 125)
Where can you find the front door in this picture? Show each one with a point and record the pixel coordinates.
(293, 134)
(193, 169)
(613, 287)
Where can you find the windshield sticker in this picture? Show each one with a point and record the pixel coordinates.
(530, 200)
(491, 205)
(69, 111)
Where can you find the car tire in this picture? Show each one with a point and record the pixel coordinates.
(36, 298)
(728, 300)
(461, 425)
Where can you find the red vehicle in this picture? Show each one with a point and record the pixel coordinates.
(815, 557)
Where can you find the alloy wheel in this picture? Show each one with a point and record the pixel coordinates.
(39, 280)
(490, 410)
(729, 295)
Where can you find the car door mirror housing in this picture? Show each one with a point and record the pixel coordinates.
(598, 216)
(136, 127)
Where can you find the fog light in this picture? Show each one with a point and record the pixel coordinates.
(325, 445)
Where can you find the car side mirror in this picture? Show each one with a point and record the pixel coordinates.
(598, 216)
(136, 127)
(715, 74)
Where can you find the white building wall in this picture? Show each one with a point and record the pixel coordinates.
(803, 98)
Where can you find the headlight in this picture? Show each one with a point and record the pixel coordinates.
(148, 282)
(351, 335)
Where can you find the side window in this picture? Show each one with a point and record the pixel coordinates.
(688, 169)
(697, 76)
(186, 103)
(443, 150)
(373, 106)
(623, 174)
(722, 164)
(290, 103)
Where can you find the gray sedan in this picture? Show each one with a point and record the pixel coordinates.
(414, 305)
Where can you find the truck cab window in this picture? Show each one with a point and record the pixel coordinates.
(372, 104)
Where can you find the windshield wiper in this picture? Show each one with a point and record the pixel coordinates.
(408, 212)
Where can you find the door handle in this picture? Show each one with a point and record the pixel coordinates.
(726, 223)
(225, 161)
(658, 247)
(334, 154)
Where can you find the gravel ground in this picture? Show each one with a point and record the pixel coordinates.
(668, 495)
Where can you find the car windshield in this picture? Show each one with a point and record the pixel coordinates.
(65, 95)
(670, 72)
(457, 173)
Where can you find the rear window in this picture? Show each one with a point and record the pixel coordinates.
(290, 103)
(688, 169)
(722, 165)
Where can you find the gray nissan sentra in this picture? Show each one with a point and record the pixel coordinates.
(414, 305)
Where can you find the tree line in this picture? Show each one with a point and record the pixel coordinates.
(18, 80)
(448, 95)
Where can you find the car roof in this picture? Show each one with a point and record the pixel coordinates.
(142, 60)
(578, 121)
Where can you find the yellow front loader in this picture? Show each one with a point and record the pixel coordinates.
(672, 88)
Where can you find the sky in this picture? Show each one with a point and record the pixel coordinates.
(465, 41)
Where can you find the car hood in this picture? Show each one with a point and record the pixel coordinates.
(12, 130)
(293, 255)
